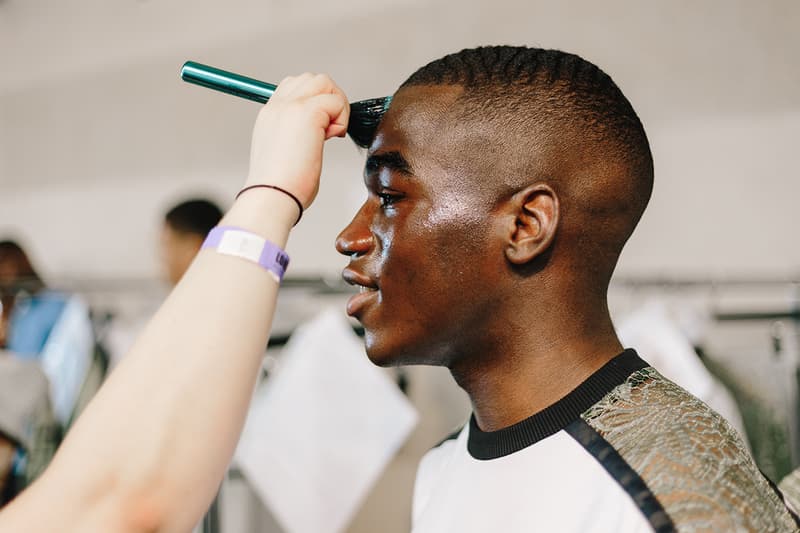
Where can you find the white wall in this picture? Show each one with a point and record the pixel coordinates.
(98, 135)
(725, 200)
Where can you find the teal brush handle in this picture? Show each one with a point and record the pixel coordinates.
(227, 82)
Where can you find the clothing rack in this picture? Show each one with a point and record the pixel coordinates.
(792, 312)
(738, 316)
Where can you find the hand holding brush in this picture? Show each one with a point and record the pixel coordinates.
(364, 115)
(290, 132)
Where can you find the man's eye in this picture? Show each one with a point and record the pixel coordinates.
(388, 199)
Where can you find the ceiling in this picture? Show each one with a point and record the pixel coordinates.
(710, 55)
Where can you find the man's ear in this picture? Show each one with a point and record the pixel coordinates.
(534, 225)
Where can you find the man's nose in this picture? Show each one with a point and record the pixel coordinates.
(356, 238)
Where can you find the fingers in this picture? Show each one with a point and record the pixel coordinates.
(342, 120)
(337, 109)
(321, 93)
(306, 85)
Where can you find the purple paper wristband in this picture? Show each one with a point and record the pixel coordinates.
(238, 242)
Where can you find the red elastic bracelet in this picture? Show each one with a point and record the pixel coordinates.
(284, 191)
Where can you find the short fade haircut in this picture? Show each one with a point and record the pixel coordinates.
(195, 217)
(503, 82)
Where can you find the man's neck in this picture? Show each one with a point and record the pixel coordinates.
(533, 371)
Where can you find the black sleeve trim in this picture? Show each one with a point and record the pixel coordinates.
(630, 481)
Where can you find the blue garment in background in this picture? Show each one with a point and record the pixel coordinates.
(32, 321)
(55, 329)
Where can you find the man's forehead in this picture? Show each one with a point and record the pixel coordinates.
(417, 114)
(426, 127)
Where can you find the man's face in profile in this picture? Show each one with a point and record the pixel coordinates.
(419, 244)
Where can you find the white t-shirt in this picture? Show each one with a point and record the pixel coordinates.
(498, 495)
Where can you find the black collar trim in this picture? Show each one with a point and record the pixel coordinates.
(485, 445)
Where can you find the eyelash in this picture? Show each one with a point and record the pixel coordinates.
(387, 199)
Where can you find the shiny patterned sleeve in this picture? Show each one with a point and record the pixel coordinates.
(689, 457)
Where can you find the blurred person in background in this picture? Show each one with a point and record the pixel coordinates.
(29, 433)
(185, 227)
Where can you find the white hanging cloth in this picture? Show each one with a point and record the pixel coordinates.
(322, 428)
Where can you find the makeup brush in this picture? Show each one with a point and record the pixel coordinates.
(364, 115)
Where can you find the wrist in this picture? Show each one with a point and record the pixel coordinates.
(278, 189)
(230, 240)
(265, 212)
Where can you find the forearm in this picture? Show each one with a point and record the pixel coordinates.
(150, 450)
(166, 423)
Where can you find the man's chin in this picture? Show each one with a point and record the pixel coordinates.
(382, 353)
(385, 355)
(383, 358)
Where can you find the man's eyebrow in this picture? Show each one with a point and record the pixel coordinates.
(391, 160)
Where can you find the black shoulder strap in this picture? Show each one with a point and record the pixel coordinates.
(630, 481)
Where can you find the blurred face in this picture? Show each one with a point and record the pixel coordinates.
(178, 249)
(420, 247)
(8, 272)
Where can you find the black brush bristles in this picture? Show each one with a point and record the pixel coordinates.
(364, 119)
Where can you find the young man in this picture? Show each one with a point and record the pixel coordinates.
(503, 183)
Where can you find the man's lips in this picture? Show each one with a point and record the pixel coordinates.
(368, 291)
(357, 302)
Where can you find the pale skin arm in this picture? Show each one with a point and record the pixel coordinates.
(150, 451)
